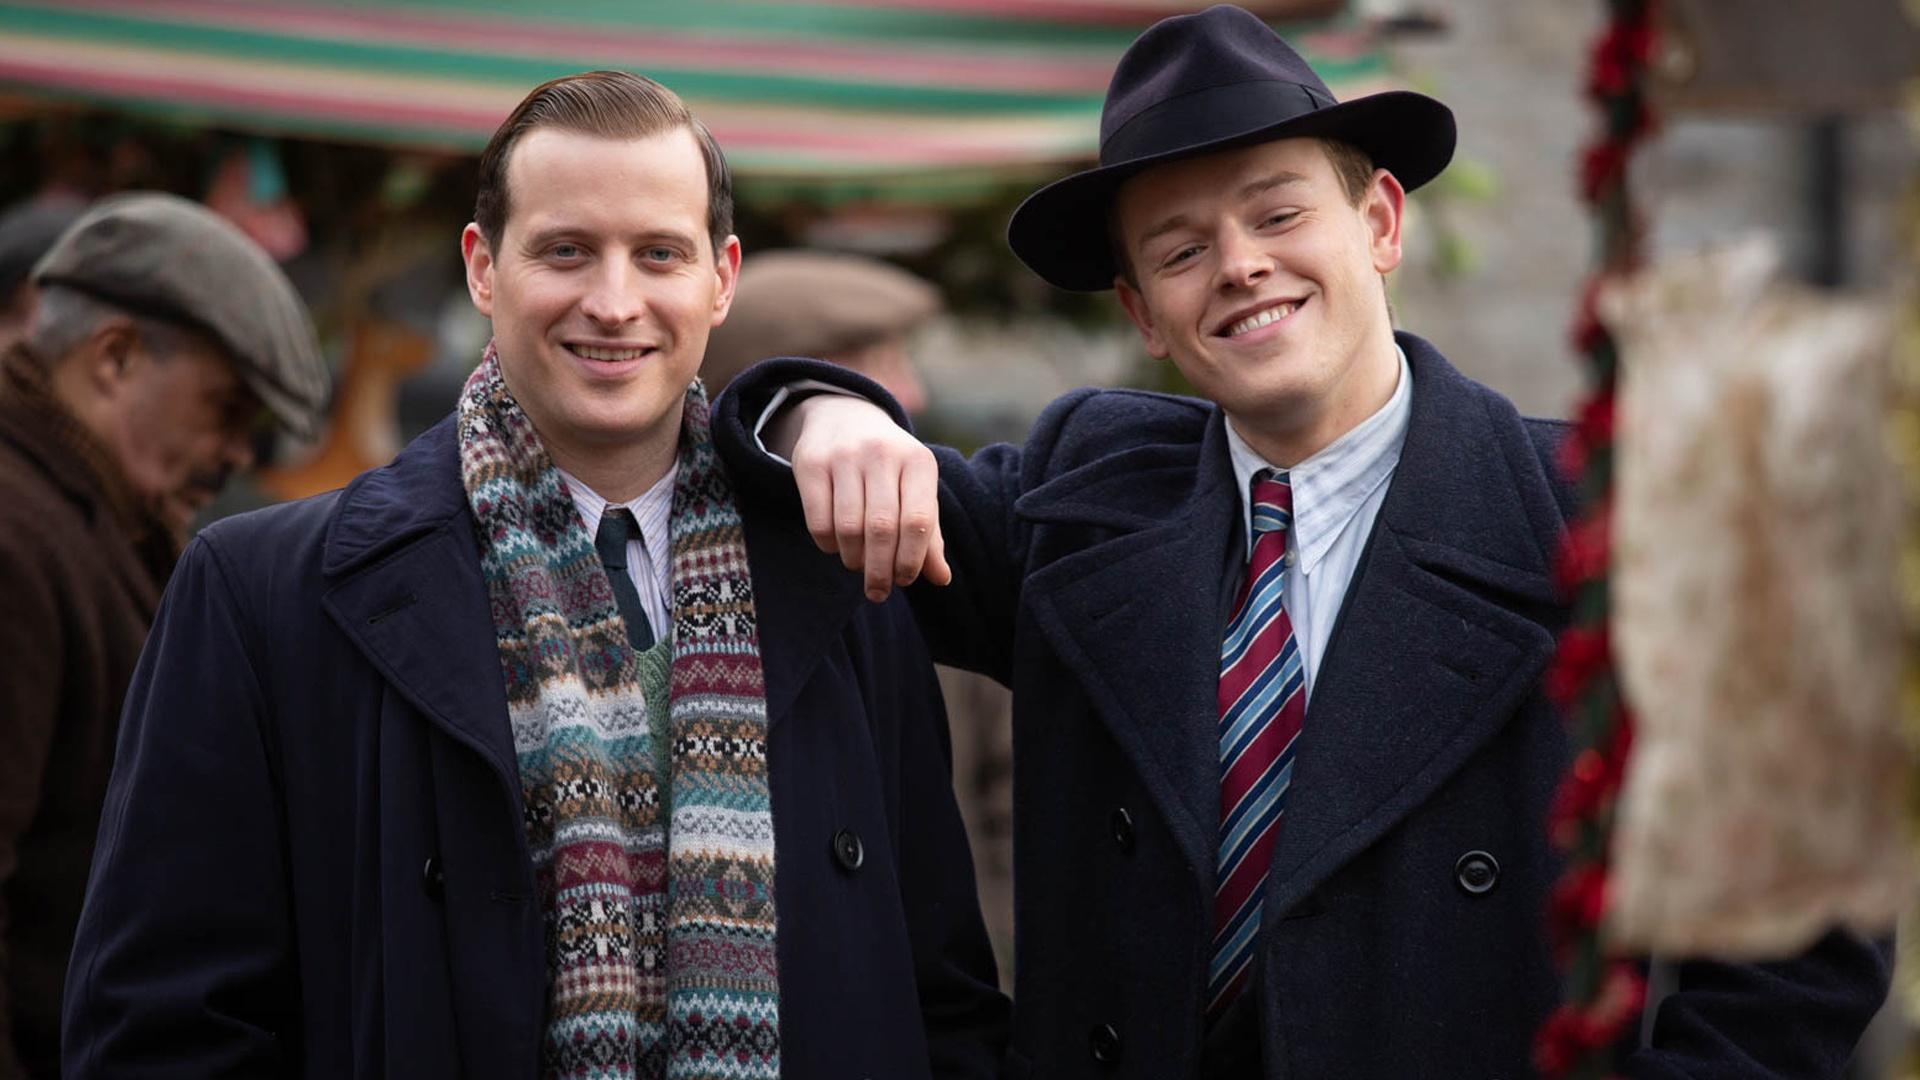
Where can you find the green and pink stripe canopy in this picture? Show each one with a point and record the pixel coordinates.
(924, 97)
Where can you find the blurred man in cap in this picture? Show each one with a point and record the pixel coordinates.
(858, 312)
(847, 309)
(160, 336)
(27, 232)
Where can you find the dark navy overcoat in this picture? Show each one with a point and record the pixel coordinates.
(1403, 930)
(312, 860)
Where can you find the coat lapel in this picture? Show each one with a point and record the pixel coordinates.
(1442, 635)
(1137, 617)
(407, 591)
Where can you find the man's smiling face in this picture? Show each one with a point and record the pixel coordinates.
(605, 286)
(1260, 279)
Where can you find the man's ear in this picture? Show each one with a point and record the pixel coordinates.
(1142, 316)
(110, 357)
(1383, 209)
(478, 255)
(726, 266)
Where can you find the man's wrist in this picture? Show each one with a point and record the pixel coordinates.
(780, 408)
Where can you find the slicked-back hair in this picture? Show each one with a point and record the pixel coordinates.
(609, 105)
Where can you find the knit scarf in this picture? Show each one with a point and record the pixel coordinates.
(656, 891)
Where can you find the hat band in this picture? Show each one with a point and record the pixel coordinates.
(1210, 115)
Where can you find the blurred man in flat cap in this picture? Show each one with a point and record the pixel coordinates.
(161, 335)
(859, 312)
(846, 309)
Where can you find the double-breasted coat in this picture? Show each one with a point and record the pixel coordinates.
(312, 859)
(1403, 928)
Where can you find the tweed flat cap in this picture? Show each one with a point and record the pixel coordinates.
(813, 303)
(169, 258)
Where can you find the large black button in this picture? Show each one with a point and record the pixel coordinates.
(433, 879)
(1122, 824)
(1104, 1043)
(847, 849)
(1477, 872)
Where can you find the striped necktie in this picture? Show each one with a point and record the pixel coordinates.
(1262, 704)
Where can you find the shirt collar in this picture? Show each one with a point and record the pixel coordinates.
(649, 509)
(1330, 487)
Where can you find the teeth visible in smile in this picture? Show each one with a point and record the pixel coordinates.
(1260, 319)
(591, 353)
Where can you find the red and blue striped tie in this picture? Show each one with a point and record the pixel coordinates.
(1263, 701)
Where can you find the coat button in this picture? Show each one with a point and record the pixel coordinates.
(1104, 1043)
(433, 879)
(1477, 872)
(1122, 823)
(847, 850)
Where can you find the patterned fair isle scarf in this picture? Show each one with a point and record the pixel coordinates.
(657, 892)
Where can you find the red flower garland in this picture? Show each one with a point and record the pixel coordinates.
(1603, 997)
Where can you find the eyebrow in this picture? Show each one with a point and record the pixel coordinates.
(1268, 183)
(1250, 190)
(555, 233)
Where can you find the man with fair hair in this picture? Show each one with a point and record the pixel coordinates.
(161, 335)
(484, 766)
(1282, 763)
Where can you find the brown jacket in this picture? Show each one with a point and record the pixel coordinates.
(81, 569)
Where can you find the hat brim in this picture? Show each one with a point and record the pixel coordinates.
(1060, 231)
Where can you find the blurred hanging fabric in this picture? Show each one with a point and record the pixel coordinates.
(1756, 613)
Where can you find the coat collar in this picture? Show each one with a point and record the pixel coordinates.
(404, 564)
(1442, 631)
(1137, 617)
(43, 432)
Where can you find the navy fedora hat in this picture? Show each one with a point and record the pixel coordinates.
(1195, 84)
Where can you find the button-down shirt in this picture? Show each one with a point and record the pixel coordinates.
(1336, 497)
(649, 558)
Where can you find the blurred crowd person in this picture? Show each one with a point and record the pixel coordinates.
(861, 313)
(159, 340)
(27, 230)
(852, 310)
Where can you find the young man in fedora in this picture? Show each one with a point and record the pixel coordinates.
(538, 752)
(1282, 763)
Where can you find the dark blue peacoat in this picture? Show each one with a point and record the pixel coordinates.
(312, 860)
(1403, 926)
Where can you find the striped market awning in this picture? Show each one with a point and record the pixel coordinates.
(922, 98)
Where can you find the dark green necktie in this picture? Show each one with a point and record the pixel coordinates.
(617, 527)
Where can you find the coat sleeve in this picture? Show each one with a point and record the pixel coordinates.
(1795, 1018)
(183, 965)
(31, 641)
(966, 1016)
(968, 624)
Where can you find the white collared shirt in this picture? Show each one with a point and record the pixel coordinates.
(1336, 496)
(649, 557)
